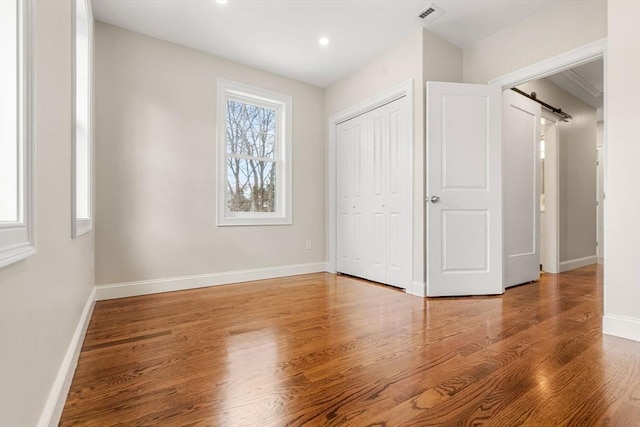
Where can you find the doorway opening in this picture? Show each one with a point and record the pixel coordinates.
(571, 166)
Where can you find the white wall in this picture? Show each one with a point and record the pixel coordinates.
(420, 57)
(567, 25)
(622, 176)
(156, 154)
(441, 61)
(577, 167)
(42, 297)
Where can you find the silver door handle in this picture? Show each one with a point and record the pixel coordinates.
(433, 199)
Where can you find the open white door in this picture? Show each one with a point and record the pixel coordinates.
(464, 212)
(521, 183)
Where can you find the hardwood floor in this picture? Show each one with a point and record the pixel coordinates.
(324, 350)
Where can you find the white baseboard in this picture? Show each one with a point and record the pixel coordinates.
(572, 264)
(418, 289)
(146, 287)
(621, 326)
(54, 405)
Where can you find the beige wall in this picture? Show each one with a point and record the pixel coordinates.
(622, 179)
(554, 30)
(42, 297)
(442, 61)
(156, 154)
(420, 57)
(577, 170)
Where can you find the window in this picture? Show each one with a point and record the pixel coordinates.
(17, 213)
(81, 173)
(254, 156)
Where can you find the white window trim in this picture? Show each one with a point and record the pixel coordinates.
(80, 226)
(18, 239)
(283, 214)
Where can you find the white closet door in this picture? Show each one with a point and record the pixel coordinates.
(374, 194)
(351, 204)
(378, 141)
(399, 193)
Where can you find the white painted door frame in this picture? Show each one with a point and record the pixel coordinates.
(556, 64)
(404, 89)
(600, 202)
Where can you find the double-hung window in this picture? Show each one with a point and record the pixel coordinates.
(254, 155)
(17, 210)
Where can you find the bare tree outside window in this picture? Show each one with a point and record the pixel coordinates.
(251, 157)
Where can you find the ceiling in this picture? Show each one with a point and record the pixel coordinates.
(281, 36)
(585, 82)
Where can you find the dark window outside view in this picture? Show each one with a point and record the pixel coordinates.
(251, 157)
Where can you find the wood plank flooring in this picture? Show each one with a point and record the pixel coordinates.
(325, 350)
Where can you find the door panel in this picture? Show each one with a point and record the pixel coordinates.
(377, 124)
(466, 247)
(464, 148)
(464, 227)
(352, 241)
(521, 159)
(398, 213)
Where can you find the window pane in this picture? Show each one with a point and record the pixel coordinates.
(251, 185)
(10, 160)
(251, 130)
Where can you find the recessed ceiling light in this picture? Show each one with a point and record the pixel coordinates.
(324, 41)
(221, 1)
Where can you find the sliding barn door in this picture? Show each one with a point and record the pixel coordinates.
(374, 193)
(521, 183)
(464, 212)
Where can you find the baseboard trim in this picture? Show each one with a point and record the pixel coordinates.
(170, 284)
(572, 264)
(418, 289)
(621, 326)
(54, 405)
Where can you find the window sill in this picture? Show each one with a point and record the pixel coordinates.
(81, 226)
(15, 254)
(252, 221)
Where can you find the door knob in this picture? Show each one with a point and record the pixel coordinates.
(433, 199)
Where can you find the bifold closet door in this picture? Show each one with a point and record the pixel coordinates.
(374, 193)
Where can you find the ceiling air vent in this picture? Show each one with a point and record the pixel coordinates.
(430, 14)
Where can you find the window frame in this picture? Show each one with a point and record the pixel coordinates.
(18, 238)
(80, 226)
(230, 90)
